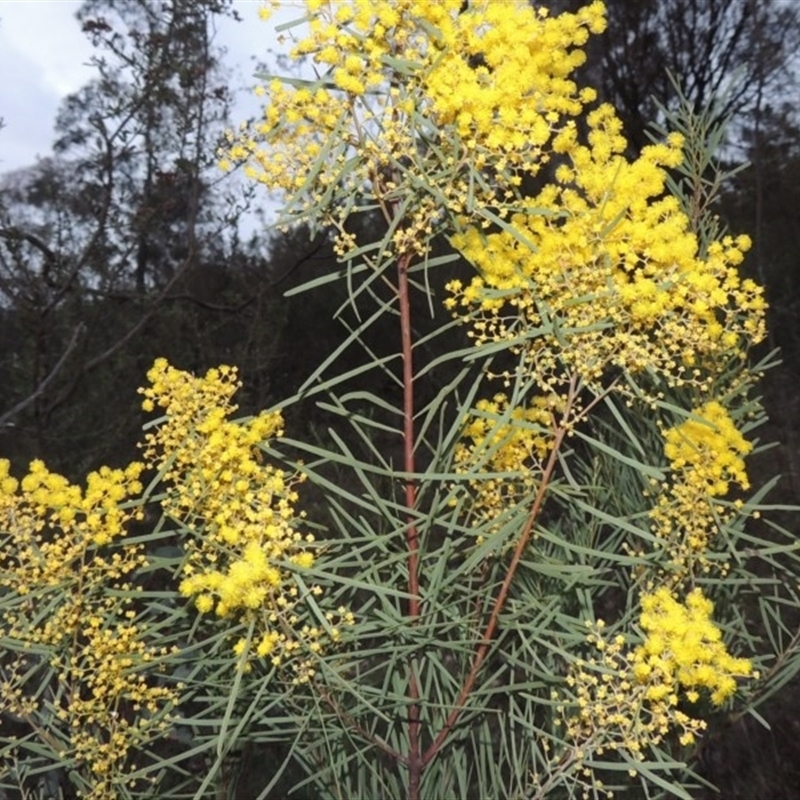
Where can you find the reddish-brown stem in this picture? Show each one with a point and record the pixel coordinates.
(486, 640)
(351, 722)
(408, 432)
(414, 759)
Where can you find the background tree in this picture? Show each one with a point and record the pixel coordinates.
(734, 52)
(124, 244)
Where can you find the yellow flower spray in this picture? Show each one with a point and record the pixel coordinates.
(238, 512)
(82, 673)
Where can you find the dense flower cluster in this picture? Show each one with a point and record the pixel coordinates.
(684, 648)
(613, 709)
(502, 76)
(628, 700)
(610, 277)
(46, 498)
(81, 669)
(710, 448)
(706, 453)
(80, 666)
(400, 77)
(503, 446)
(237, 509)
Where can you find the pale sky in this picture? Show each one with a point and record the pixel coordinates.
(44, 56)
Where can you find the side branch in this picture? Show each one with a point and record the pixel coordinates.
(483, 648)
(45, 382)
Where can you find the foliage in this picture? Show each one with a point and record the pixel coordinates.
(552, 585)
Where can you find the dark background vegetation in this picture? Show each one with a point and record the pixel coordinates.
(126, 243)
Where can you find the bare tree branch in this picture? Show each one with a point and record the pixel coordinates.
(40, 389)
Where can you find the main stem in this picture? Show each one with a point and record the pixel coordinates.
(414, 759)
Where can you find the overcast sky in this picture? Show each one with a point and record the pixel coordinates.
(44, 56)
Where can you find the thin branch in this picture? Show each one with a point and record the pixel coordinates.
(353, 724)
(483, 648)
(23, 404)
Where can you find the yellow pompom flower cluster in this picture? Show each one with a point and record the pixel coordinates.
(118, 699)
(628, 700)
(683, 649)
(709, 447)
(93, 515)
(505, 447)
(501, 76)
(63, 548)
(400, 78)
(682, 654)
(706, 453)
(238, 510)
(611, 276)
(614, 711)
(291, 163)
